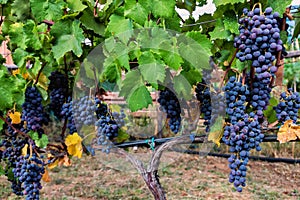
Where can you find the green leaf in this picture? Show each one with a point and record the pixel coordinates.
(132, 81)
(89, 22)
(11, 88)
(163, 8)
(32, 39)
(120, 27)
(193, 76)
(202, 39)
(117, 51)
(42, 142)
(270, 112)
(33, 135)
(194, 54)
(122, 136)
(219, 31)
(283, 36)
(279, 5)
(47, 9)
(135, 11)
(153, 38)
(139, 98)
(224, 2)
(16, 35)
(231, 24)
(1, 128)
(21, 8)
(76, 5)
(152, 70)
(2, 171)
(69, 42)
(112, 73)
(182, 87)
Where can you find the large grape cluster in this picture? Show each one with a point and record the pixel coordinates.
(29, 171)
(242, 133)
(33, 112)
(170, 105)
(259, 42)
(288, 106)
(58, 88)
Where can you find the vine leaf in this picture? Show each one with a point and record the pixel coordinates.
(120, 27)
(41, 142)
(74, 146)
(135, 92)
(288, 131)
(163, 8)
(193, 53)
(202, 39)
(135, 11)
(279, 5)
(140, 98)
(219, 31)
(15, 117)
(76, 5)
(70, 40)
(47, 9)
(182, 87)
(152, 70)
(88, 21)
(46, 176)
(224, 2)
(170, 54)
(216, 131)
(21, 8)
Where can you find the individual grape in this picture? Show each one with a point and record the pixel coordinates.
(170, 105)
(288, 106)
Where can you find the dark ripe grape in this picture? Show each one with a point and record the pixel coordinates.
(169, 104)
(268, 11)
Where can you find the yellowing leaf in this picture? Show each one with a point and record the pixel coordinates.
(15, 117)
(15, 72)
(65, 161)
(287, 133)
(74, 146)
(216, 131)
(53, 165)
(24, 150)
(25, 75)
(46, 177)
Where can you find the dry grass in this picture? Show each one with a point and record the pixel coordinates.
(188, 177)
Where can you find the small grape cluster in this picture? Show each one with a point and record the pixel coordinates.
(242, 133)
(84, 111)
(169, 104)
(29, 171)
(288, 106)
(203, 96)
(107, 126)
(33, 112)
(59, 88)
(67, 113)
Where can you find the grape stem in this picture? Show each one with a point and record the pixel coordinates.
(39, 73)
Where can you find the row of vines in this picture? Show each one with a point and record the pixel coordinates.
(224, 68)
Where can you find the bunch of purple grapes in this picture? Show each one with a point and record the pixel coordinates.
(67, 113)
(242, 133)
(288, 106)
(29, 171)
(107, 126)
(259, 42)
(169, 104)
(58, 88)
(33, 111)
